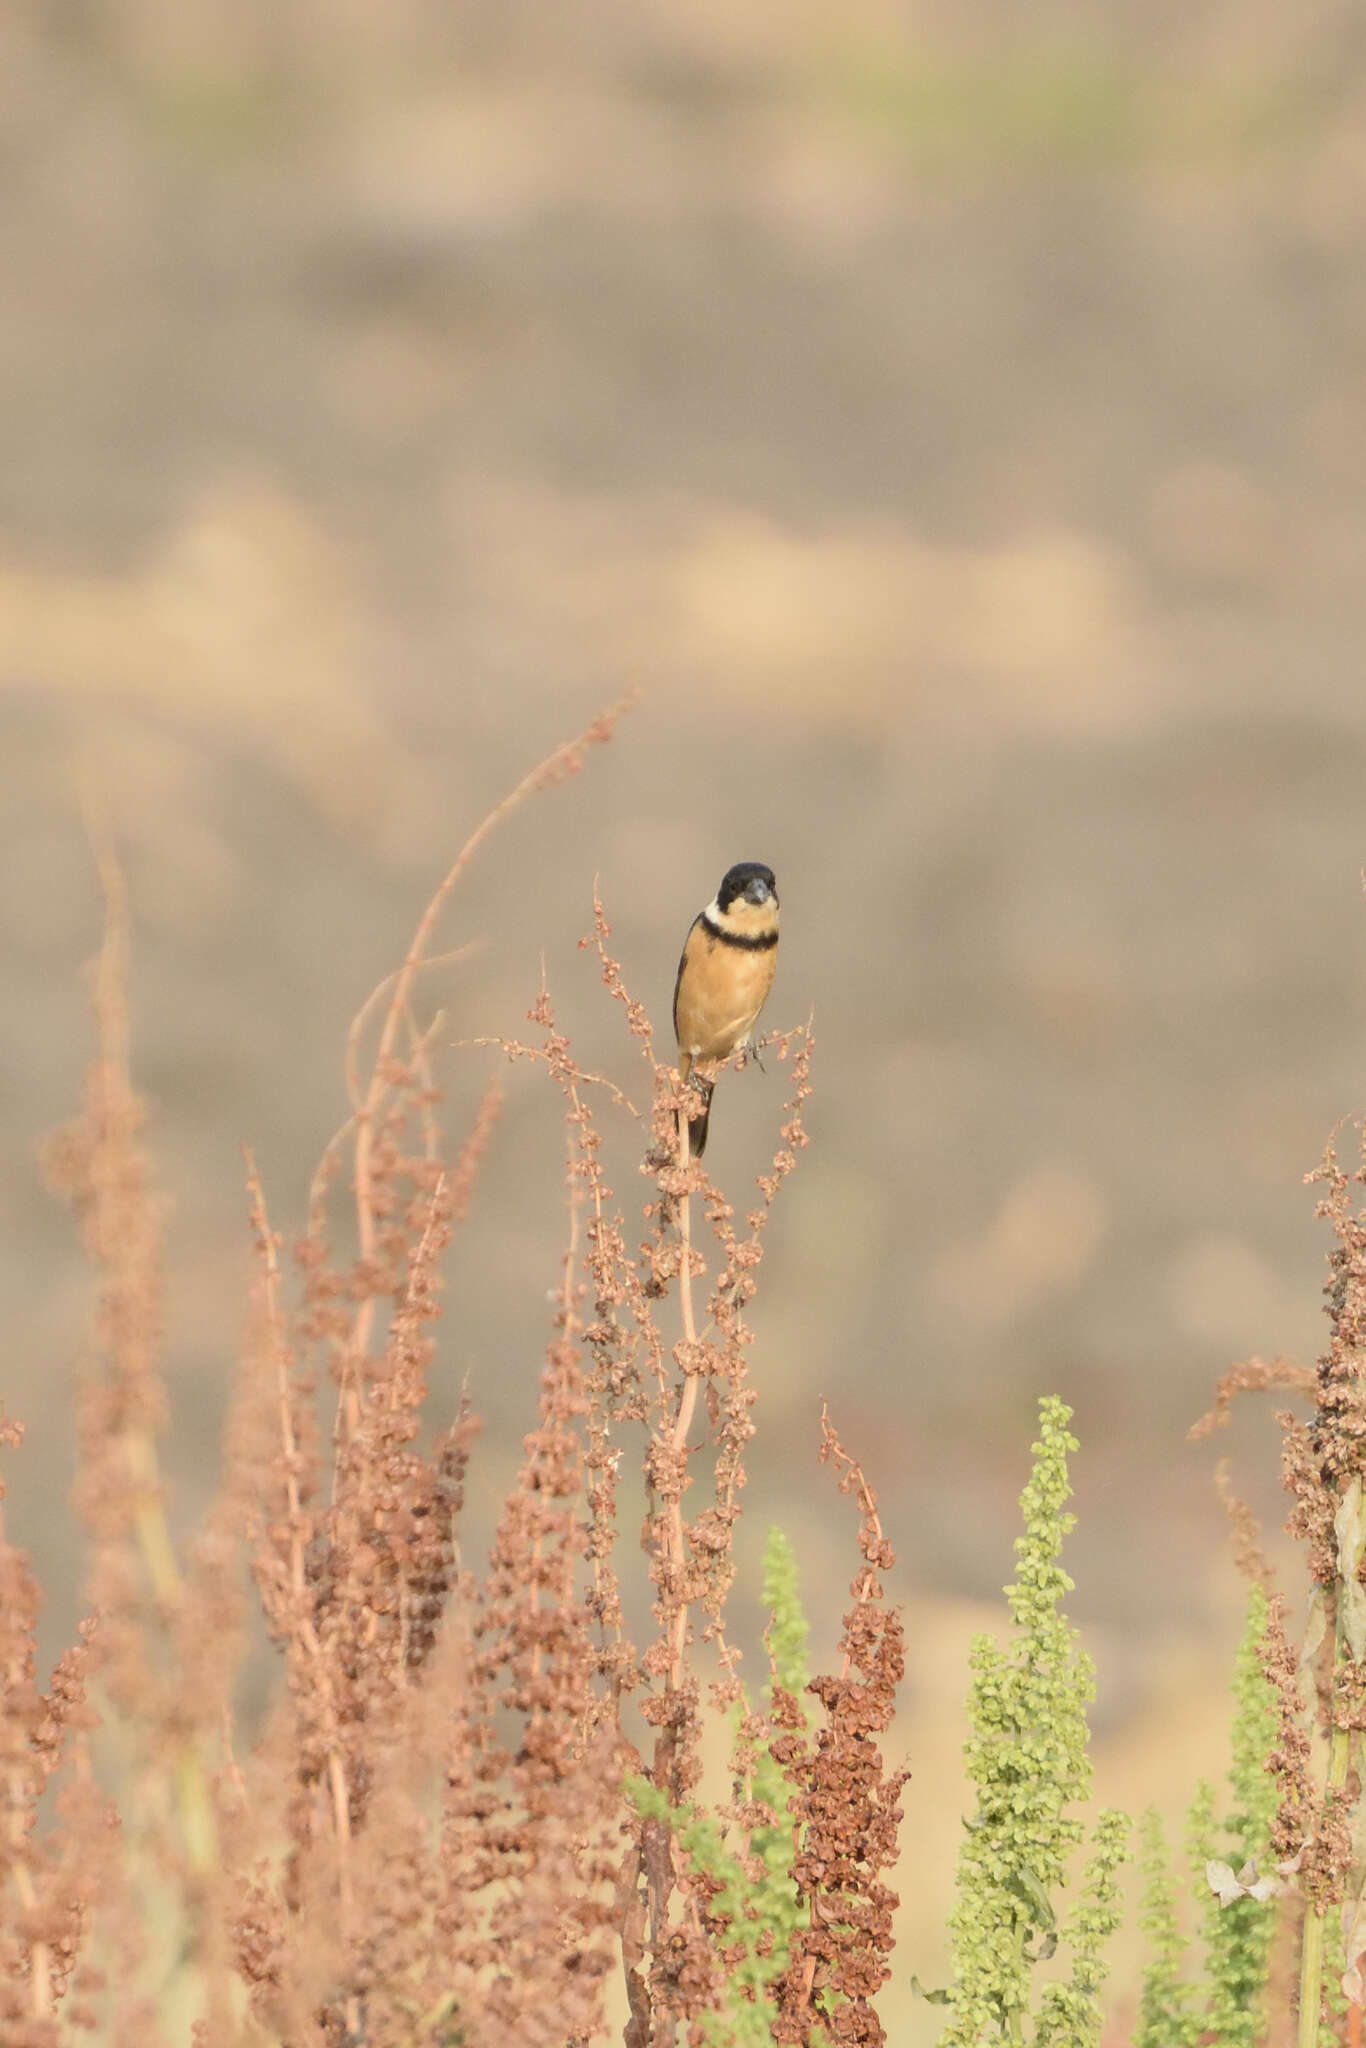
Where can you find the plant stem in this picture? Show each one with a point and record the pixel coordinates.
(687, 1403)
(199, 1825)
(1311, 1980)
(1311, 1948)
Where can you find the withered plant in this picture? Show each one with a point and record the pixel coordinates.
(430, 1835)
(1316, 1885)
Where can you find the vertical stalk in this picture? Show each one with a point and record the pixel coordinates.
(1311, 1979)
(199, 1826)
(1311, 1948)
(687, 1404)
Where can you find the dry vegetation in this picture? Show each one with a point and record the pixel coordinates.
(440, 1829)
(473, 1808)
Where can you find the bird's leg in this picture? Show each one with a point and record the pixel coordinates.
(700, 1083)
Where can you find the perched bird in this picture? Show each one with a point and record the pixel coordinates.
(723, 979)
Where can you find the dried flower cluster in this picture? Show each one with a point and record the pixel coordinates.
(846, 1806)
(429, 1836)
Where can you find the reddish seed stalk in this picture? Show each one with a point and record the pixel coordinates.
(20, 1785)
(564, 761)
(303, 1624)
(687, 1406)
(426, 1838)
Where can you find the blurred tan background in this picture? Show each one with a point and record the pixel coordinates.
(953, 419)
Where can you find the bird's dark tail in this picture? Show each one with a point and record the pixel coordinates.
(698, 1122)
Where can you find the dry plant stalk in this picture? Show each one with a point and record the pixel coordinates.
(846, 1805)
(426, 1840)
(1317, 1832)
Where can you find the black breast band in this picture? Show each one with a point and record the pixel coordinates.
(750, 942)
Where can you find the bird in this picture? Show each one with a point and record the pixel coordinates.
(723, 981)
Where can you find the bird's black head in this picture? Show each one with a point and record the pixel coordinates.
(749, 881)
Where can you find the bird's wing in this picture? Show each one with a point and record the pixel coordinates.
(682, 963)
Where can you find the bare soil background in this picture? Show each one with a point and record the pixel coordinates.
(952, 419)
